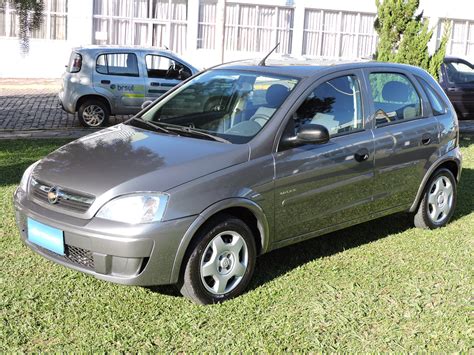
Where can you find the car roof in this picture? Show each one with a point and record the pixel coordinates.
(308, 68)
(114, 48)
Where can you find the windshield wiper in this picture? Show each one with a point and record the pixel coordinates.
(194, 132)
(150, 124)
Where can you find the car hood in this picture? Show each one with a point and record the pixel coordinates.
(129, 159)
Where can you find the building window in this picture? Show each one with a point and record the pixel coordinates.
(160, 23)
(338, 34)
(254, 28)
(207, 24)
(461, 42)
(54, 25)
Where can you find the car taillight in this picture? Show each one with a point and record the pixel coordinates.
(76, 63)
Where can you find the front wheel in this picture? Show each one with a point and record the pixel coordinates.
(439, 200)
(220, 262)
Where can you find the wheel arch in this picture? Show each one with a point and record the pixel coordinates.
(244, 209)
(101, 98)
(452, 163)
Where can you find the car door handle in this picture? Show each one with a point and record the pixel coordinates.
(361, 155)
(154, 84)
(426, 139)
(105, 82)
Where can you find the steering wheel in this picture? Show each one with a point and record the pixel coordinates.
(171, 72)
(259, 117)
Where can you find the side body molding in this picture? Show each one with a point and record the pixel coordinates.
(204, 216)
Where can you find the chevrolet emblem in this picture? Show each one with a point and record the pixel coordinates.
(53, 195)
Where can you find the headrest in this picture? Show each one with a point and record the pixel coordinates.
(276, 94)
(395, 91)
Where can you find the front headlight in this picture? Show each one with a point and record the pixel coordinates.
(26, 176)
(135, 209)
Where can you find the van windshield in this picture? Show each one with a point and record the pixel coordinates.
(233, 105)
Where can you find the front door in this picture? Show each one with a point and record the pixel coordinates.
(318, 187)
(117, 77)
(163, 74)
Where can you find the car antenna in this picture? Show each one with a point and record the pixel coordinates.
(262, 62)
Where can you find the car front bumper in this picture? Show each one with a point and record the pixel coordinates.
(141, 255)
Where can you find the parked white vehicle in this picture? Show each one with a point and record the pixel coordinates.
(107, 80)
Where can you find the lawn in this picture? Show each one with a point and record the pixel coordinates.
(379, 286)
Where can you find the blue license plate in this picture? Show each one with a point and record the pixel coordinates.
(45, 236)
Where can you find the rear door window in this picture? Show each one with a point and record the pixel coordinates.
(124, 64)
(395, 98)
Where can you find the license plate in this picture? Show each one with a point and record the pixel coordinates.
(45, 236)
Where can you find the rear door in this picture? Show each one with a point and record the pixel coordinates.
(117, 76)
(318, 187)
(405, 137)
(162, 74)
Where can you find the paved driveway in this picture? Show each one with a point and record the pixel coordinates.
(29, 109)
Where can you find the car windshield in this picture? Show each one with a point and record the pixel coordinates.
(223, 105)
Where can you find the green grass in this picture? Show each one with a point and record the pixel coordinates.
(380, 286)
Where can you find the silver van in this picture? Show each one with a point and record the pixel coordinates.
(107, 80)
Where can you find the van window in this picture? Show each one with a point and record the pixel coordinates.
(395, 97)
(161, 67)
(335, 104)
(437, 104)
(124, 64)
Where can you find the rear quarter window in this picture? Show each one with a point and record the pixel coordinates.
(438, 106)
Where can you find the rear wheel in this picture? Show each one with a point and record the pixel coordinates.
(439, 200)
(220, 262)
(93, 113)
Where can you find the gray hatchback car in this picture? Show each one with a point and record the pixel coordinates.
(110, 80)
(240, 160)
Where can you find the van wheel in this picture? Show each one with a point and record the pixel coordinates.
(220, 262)
(93, 113)
(439, 200)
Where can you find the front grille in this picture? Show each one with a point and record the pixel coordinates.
(66, 199)
(73, 255)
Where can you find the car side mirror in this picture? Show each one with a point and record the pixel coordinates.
(146, 104)
(308, 134)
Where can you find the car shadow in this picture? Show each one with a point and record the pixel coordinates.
(281, 261)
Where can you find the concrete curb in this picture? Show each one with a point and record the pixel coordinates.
(45, 133)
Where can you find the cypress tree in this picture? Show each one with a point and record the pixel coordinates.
(404, 35)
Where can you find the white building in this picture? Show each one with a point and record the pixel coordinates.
(207, 32)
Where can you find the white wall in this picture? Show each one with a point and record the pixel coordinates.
(47, 58)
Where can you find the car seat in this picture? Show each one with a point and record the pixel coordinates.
(274, 97)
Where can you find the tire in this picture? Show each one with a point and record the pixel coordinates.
(93, 113)
(220, 261)
(439, 201)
